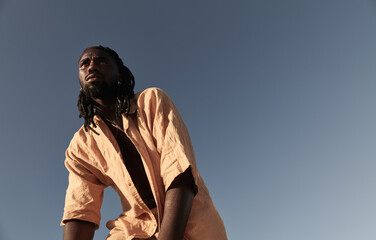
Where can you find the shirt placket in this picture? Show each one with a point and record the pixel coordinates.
(128, 180)
(111, 138)
(133, 134)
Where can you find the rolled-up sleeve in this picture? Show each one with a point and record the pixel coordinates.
(171, 137)
(84, 195)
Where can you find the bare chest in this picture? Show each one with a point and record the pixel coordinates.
(134, 165)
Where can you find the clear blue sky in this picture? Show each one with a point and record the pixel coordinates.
(278, 96)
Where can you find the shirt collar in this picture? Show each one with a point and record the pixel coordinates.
(133, 105)
(132, 110)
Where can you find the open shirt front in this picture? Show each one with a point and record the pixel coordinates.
(159, 134)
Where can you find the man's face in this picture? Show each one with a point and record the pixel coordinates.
(98, 74)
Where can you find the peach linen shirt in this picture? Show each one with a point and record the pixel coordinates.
(159, 134)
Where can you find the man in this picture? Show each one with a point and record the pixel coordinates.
(139, 145)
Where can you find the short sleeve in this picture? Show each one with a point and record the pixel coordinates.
(171, 138)
(84, 195)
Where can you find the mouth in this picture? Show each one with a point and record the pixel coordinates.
(92, 77)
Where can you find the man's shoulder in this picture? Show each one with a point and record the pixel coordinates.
(152, 92)
(149, 100)
(150, 97)
(80, 137)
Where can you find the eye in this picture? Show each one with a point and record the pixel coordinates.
(84, 63)
(103, 61)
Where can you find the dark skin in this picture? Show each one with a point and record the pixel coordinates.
(77, 229)
(97, 70)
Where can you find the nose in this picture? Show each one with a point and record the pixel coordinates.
(92, 66)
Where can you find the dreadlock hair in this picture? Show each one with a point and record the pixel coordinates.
(124, 93)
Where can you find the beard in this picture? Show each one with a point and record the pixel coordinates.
(100, 91)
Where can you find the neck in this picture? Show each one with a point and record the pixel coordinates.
(105, 107)
(107, 102)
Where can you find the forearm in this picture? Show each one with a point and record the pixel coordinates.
(178, 204)
(78, 230)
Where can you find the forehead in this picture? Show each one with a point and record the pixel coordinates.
(95, 53)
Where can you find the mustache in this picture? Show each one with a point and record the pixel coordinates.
(93, 74)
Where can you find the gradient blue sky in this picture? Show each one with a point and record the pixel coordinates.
(278, 96)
